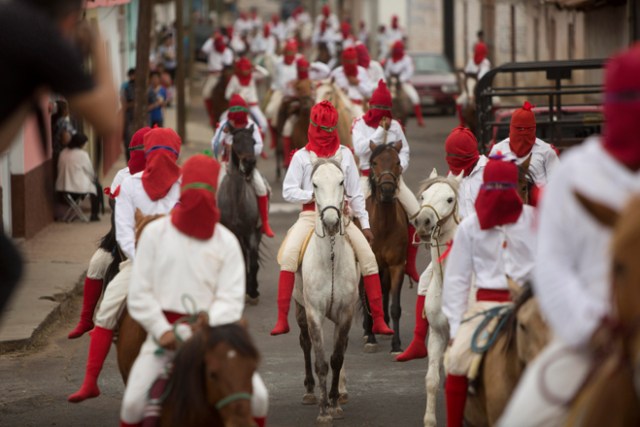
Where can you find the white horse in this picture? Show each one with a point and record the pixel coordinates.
(329, 288)
(436, 223)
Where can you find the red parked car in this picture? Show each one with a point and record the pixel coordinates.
(435, 81)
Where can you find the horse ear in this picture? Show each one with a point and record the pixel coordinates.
(338, 156)
(514, 288)
(601, 213)
(372, 146)
(397, 146)
(139, 216)
(459, 176)
(314, 157)
(525, 165)
(251, 128)
(434, 174)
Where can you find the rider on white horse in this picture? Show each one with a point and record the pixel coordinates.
(353, 80)
(237, 117)
(297, 188)
(493, 244)
(572, 274)
(155, 190)
(522, 144)
(101, 259)
(186, 253)
(219, 56)
(242, 83)
(401, 64)
(378, 127)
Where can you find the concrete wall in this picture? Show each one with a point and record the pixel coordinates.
(425, 25)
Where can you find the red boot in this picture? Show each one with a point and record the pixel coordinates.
(417, 349)
(412, 253)
(92, 291)
(263, 207)
(286, 150)
(285, 291)
(455, 390)
(123, 424)
(373, 290)
(261, 422)
(98, 349)
(418, 111)
(208, 106)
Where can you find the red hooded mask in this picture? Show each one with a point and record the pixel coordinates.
(479, 52)
(498, 201)
(137, 161)
(522, 131)
(218, 43)
(394, 22)
(238, 111)
(243, 15)
(345, 29)
(622, 107)
(275, 19)
(302, 65)
(162, 148)
(323, 132)
(379, 105)
(230, 32)
(266, 30)
(362, 25)
(350, 61)
(461, 147)
(243, 69)
(326, 11)
(197, 214)
(397, 51)
(290, 51)
(363, 55)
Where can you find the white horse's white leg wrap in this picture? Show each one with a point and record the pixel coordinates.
(258, 183)
(209, 84)
(144, 372)
(114, 298)
(99, 264)
(562, 369)
(411, 93)
(260, 397)
(407, 199)
(364, 254)
(289, 252)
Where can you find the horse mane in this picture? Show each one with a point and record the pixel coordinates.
(512, 322)
(424, 185)
(322, 161)
(188, 387)
(108, 241)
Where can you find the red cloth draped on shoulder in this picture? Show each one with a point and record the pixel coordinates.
(238, 111)
(162, 148)
(350, 61)
(379, 105)
(498, 201)
(243, 70)
(197, 213)
(461, 147)
(323, 132)
(137, 160)
(522, 130)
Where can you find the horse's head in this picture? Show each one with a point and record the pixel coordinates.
(142, 221)
(625, 270)
(531, 331)
(328, 191)
(385, 171)
(438, 200)
(243, 156)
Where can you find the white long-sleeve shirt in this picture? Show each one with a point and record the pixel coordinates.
(469, 187)
(217, 61)
(478, 69)
(362, 134)
(284, 76)
(298, 188)
(376, 72)
(171, 265)
(263, 45)
(121, 175)
(490, 255)
(328, 37)
(221, 137)
(133, 196)
(75, 172)
(403, 68)
(572, 274)
(279, 30)
(249, 92)
(543, 159)
(358, 92)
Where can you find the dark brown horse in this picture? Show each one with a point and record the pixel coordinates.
(219, 102)
(323, 55)
(211, 380)
(401, 103)
(389, 225)
(300, 107)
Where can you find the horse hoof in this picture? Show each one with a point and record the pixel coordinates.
(344, 398)
(251, 301)
(337, 413)
(370, 348)
(309, 399)
(324, 421)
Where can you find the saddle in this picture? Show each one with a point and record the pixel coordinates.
(303, 249)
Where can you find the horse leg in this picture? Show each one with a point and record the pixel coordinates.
(397, 275)
(342, 386)
(436, 345)
(252, 269)
(314, 320)
(341, 340)
(309, 397)
(385, 281)
(371, 345)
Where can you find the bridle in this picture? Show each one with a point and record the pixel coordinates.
(379, 183)
(233, 397)
(338, 210)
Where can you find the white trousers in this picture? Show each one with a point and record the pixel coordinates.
(562, 370)
(405, 196)
(114, 298)
(272, 108)
(209, 84)
(99, 264)
(411, 93)
(287, 130)
(146, 369)
(289, 253)
(257, 180)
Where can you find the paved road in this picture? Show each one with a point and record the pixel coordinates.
(382, 393)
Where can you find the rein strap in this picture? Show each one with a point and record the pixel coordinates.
(234, 397)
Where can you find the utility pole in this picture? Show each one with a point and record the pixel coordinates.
(143, 45)
(180, 72)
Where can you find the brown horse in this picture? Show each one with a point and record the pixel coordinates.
(469, 114)
(211, 380)
(401, 104)
(524, 335)
(296, 106)
(611, 393)
(219, 102)
(389, 225)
